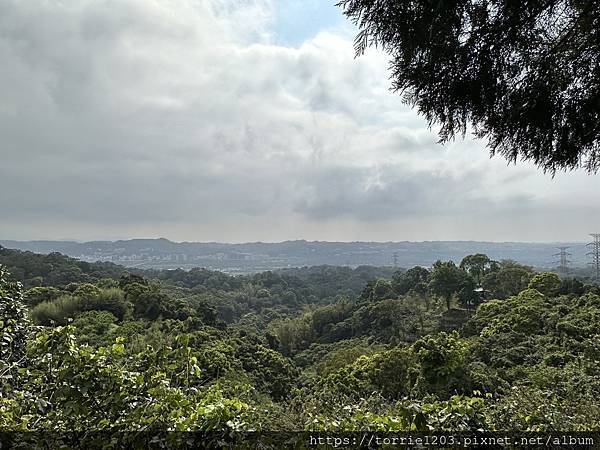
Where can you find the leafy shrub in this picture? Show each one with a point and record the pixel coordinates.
(94, 327)
(37, 295)
(14, 323)
(58, 311)
(111, 300)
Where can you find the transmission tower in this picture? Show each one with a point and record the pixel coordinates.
(563, 262)
(595, 253)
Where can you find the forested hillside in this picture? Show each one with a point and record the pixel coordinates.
(484, 345)
(33, 269)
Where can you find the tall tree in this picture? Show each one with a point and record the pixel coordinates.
(510, 279)
(413, 279)
(448, 280)
(524, 74)
(477, 265)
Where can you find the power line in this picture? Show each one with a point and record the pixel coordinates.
(595, 253)
(563, 263)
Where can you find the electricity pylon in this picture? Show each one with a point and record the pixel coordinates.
(563, 262)
(595, 254)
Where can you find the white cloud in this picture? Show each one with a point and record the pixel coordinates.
(183, 119)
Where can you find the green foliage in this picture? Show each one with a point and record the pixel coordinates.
(54, 269)
(546, 282)
(382, 289)
(390, 320)
(58, 311)
(508, 279)
(271, 372)
(199, 277)
(294, 334)
(14, 323)
(217, 359)
(531, 409)
(414, 279)
(79, 388)
(344, 354)
(441, 359)
(84, 297)
(111, 300)
(477, 266)
(447, 280)
(571, 286)
(95, 328)
(37, 295)
(148, 301)
(389, 373)
(84, 291)
(325, 318)
(143, 354)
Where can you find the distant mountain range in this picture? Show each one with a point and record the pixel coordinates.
(259, 256)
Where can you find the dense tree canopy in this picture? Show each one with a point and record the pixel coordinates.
(275, 351)
(525, 75)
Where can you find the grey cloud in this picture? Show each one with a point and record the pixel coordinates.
(383, 194)
(169, 116)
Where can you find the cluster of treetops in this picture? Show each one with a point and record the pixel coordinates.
(482, 345)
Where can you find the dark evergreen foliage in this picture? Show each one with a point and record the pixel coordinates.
(524, 75)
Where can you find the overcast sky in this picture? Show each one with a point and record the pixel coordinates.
(240, 120)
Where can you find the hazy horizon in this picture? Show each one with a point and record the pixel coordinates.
(582, 242)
